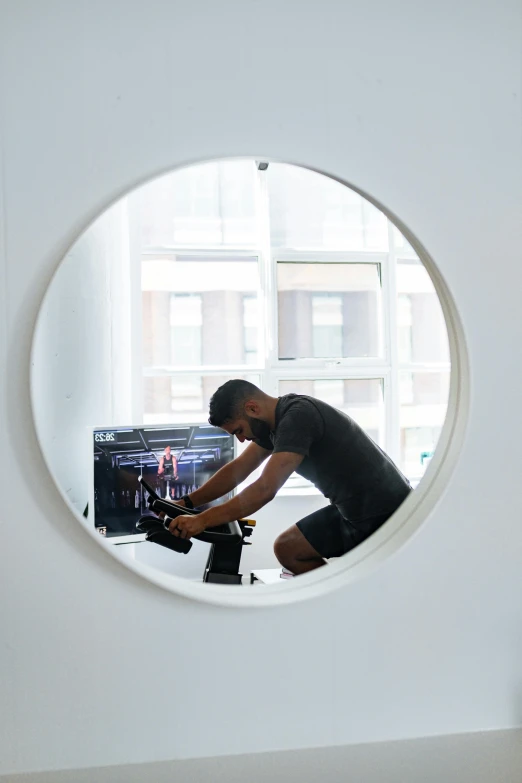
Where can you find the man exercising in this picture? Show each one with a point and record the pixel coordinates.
(298, 433)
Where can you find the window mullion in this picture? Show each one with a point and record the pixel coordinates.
(268, 338)
(306, 255)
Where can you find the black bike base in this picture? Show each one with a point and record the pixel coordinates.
(227, 540)
(223, 579)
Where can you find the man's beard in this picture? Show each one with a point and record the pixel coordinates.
(260, 429)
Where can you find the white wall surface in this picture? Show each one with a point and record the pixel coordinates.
(417, 104)
(81, 353)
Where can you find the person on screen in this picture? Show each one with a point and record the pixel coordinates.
(298, 433)
(168, 465)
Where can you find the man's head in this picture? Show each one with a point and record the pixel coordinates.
(167, 451)
(243, 410)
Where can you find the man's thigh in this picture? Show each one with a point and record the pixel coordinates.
(327, 532)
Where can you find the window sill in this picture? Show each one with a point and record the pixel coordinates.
(297, 491)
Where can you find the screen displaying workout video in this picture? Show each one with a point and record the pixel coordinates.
(173, 460)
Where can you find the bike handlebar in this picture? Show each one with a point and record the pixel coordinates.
(230, 532)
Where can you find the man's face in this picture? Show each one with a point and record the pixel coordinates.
(247, 428)
(167, 451)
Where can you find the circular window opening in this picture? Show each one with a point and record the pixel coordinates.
(279, 276)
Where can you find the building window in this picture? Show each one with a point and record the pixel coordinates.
(250, 329)
(327, 326)
(328, 310)
(185, 329)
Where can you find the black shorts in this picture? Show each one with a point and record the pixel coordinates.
(331, 535)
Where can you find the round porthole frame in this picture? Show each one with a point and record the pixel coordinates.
(406, 521)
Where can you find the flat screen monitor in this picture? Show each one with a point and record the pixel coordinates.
(174, 459)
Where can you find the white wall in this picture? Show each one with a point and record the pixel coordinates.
(418, 104)
(81, 366)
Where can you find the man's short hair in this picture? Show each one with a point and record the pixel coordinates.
(226, 402)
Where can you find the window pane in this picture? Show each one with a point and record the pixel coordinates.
(328, 310)
(186, 327)
(309, 210)
(422, 334)
(327, 325)
(250, 327)
(423, 405)
(199, 311)
(182, 398)
(211, 204)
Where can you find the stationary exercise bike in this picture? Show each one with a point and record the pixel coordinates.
(227, 540)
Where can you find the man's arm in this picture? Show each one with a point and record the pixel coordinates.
(160, 466)
(229, 476)
(175, 467)
(278, 468)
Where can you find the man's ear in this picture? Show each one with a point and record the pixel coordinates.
(252, 408)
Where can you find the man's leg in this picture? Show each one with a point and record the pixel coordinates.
(305, 546)
(295, 553)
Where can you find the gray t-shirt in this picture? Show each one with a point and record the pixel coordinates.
(340, 459)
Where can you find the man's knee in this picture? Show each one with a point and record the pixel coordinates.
(295, 553)
(284, 546)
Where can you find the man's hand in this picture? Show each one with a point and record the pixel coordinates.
(187, 526)
(180, 502)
